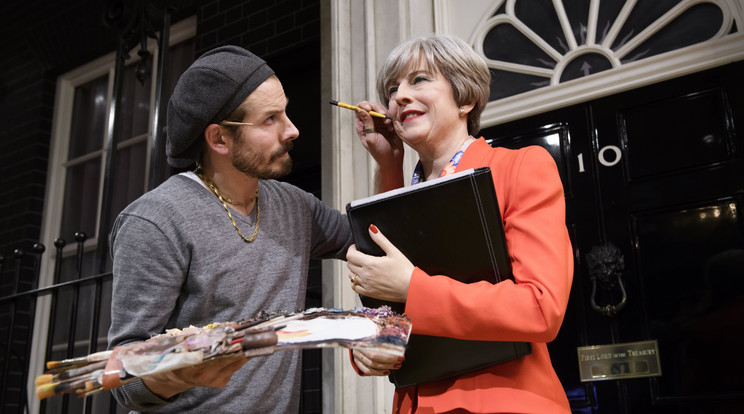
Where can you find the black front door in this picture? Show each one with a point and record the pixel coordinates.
(654, 182)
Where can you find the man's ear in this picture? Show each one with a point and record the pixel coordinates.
(215, 140)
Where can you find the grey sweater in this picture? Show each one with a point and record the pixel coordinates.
(178, 261)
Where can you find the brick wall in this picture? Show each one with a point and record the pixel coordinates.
(265, 27)
(26, 100)
(37, 47)
(39, 40)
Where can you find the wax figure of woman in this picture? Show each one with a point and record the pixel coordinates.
(435, 89)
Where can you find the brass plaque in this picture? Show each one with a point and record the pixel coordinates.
(619, 361)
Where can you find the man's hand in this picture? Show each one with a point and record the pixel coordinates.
(214, 374)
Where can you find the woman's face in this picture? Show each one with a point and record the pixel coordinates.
(423, 107)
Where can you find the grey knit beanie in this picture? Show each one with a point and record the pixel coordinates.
(210, 89)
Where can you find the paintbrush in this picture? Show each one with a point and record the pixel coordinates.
(54, 366)
(357, 109)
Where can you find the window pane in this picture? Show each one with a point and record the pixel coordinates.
(104, 321)
(578, 16)
(130, 176)
(505, 43)
(541, 18)
(135, 103)
(644, 13)
(81, 199)
(72, 305)
(180, 57)
(697, 24)
(608, 12)
(505, 83)
(68, 298)
(88, 117)
(69, 270)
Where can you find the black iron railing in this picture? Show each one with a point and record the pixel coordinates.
(74, 301)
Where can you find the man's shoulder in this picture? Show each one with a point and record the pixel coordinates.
(285, 190)
(168, 206)
(172, 193)
(280, 185)
(289, 198)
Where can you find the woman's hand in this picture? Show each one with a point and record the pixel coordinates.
(386, 277)
(377, 135)
(375, 363)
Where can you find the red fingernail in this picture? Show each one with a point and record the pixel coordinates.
(396, 366)
(401, 359)
(373, 228)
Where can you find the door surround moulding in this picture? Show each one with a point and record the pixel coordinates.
(648, 71)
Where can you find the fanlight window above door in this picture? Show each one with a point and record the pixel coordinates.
(532, 44)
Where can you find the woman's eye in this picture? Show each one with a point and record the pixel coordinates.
(392, 90)
(419, 78)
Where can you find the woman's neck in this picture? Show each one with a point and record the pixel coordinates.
(434, 161)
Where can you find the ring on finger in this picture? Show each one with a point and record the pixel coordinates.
(355, 281)
(369, 130)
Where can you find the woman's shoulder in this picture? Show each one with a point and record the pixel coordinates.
(503, 155)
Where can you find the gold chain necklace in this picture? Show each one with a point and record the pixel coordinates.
(212, 187)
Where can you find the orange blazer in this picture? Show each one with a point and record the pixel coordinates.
(529, 309)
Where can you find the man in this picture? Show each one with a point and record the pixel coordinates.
(220, 243)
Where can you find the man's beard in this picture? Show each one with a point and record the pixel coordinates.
(255, 164)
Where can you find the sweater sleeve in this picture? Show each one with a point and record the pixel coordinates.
(331, 231)
(145, 260)
(530, 308)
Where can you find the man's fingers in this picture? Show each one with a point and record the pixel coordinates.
(217, 373)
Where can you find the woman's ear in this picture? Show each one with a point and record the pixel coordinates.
(215, 140)
(465, 109)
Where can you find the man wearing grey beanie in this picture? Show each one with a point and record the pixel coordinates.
(222, 242)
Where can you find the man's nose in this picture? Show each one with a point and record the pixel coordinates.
(290, 131)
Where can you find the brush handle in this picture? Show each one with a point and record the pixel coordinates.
(356, 108)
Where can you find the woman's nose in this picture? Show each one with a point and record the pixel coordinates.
(403, 95)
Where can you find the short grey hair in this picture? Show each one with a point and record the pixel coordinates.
(465, 70)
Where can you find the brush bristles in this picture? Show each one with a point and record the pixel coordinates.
(43, 379)
(46, 390)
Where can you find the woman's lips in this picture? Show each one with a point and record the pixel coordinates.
(409, 115)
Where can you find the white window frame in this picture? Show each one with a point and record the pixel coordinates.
(472, 23)
(56, 174)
